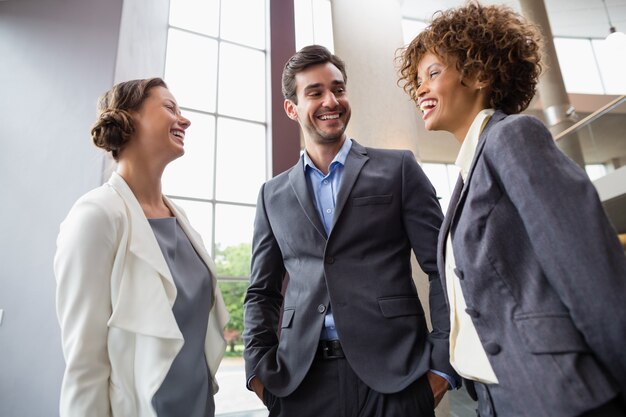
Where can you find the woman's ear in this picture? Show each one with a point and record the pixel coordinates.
(481, 85)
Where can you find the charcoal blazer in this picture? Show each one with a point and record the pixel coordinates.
(542, 272)
(385, 208)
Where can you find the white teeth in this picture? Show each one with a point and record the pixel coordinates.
(329, 116)
(178, 133)
(427, 104)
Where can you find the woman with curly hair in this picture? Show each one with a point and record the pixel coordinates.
(140, 313)
(534, 273)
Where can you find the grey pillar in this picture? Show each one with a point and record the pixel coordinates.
(557, 110)
(366, 35)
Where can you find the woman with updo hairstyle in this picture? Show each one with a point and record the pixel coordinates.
(141, 315)
(534, 274)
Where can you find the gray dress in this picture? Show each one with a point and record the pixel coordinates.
(186, 390)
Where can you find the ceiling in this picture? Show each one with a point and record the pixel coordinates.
(568, 18)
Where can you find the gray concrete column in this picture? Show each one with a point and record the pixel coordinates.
(558, 112)
(367, 34)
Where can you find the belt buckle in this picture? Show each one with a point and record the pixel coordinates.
(331, 349)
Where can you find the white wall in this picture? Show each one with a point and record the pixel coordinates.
(58, 56)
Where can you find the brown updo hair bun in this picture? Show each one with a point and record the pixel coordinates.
(114, 127)
(112, 130)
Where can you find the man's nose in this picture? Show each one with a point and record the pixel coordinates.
(330, 100)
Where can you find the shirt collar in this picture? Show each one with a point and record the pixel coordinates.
(468, 148)
(340, 158)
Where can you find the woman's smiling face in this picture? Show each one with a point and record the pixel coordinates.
(447, 101)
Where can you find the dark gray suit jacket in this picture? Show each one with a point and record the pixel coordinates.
(542, 272)
(385, 208)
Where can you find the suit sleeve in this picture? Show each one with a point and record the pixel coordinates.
(571, 236)
(263, 298)
(422, 219)
(86, 248)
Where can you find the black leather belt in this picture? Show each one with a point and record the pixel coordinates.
(330, 349)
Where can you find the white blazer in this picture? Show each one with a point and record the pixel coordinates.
(115, 295)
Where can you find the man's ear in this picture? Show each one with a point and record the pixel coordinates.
(290, 109)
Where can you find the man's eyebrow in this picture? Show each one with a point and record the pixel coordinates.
(319, 85)
(313, 86)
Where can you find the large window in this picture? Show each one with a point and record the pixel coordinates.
(216, 68)
(313, 23)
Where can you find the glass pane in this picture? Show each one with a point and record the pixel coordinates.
(453, 176)
(234, 399)
(313, 23)
(595, 171)
(197, 16)
(200, 215)
(240, 150)
(192, 174)
(611, 62)
(323, 24)
(438, 176)
(411, 28)
(191, 69)
(243, 21)
(578, 66)
(236, 97)
(603, 146)
(233, 237)
(303, 22)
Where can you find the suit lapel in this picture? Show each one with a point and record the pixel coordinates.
(357, 157)
(300, 187)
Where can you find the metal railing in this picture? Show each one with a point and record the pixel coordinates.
(592, 117)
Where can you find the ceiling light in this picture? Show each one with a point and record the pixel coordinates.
(614, 36)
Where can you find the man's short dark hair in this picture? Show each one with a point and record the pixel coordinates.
(303, 59)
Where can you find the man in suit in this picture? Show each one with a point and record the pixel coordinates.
(341, 224)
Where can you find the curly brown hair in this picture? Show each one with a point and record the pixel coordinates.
(493, 44)
(114, 125)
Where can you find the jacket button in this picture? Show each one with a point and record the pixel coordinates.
(321, 308)
(472, 313)
(458, 273)
(492, 348)
(330, 260)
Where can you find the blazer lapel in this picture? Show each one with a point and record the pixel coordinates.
(445, 230)
(143, 243)
(298, 182)
(357, 157)
(458, 196)
(495, 118)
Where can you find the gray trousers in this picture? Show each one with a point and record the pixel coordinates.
(332, 389)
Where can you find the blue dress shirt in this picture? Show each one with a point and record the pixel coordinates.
(324, 189)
